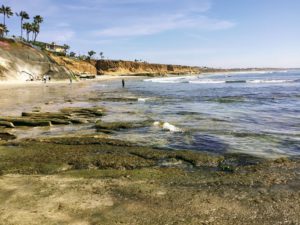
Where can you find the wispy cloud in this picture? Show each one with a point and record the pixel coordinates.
(59, 35)
(156, 25)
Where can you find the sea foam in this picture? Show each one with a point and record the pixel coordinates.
(167, 126)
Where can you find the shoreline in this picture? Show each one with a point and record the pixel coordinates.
(137, 75)
(66, 81)
(99, 179)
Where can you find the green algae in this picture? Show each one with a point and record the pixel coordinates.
(108, 127)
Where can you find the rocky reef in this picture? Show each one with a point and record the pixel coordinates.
(96, 179)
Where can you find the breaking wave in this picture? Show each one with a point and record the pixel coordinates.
(195, 80)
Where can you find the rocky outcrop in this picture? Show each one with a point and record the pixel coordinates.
(20, 62)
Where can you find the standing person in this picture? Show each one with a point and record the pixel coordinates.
(123, 83)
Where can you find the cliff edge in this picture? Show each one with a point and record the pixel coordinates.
(20, 62)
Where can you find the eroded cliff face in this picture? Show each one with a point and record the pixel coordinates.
(75, 65)
(114, 67)
(119, 67)
(21, 62)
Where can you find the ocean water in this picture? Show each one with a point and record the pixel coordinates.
(255, 113)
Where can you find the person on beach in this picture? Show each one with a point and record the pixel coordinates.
(123, 83)
(70, 80)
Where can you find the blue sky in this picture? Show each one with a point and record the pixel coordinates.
(217, 33)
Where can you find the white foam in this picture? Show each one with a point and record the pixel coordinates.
(142, 99)
(167, 126)
(207, 82)
(268, 81)
(174, 80)
(156, 124)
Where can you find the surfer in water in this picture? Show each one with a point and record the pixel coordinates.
(123, 83)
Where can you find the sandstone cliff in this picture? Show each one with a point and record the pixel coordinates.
(20, 62)
(115, 67)
(75, 65)
(119, 67)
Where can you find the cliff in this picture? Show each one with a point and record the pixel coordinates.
(75, 65)
(20, 62)
(115, 67)
(119, 67)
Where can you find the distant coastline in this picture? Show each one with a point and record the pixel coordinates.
(22, 62)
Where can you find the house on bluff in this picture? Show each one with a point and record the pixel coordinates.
(52, 47)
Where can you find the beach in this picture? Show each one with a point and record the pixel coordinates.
(158, 151)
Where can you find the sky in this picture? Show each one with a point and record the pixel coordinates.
(213, 33)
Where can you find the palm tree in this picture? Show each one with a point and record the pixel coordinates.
(91, 53)
(35, 30)
(28, 28)
(101, 55)
(24, 16)
(37, 20)
(6, 11)
(3, 30)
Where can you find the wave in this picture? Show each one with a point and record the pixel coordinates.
(143, 99)
(200, 80)
(248, 72)
(184, 79)
(270, 81)
(241, 81)
(207, 82)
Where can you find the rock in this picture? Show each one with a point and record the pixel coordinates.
(7, 124)
(115, 126)
(44, 115)
(7, 136)
(86, 112)
(26, 122)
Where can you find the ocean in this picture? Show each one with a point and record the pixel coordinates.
(255, 113)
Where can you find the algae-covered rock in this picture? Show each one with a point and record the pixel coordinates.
(46, 115)
(86, 140)
(29, 122)
(7, 136)
(7, 124)
(87, 112)
(108, 127)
